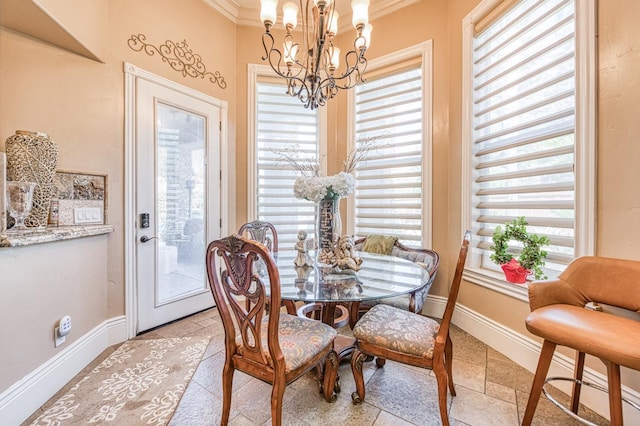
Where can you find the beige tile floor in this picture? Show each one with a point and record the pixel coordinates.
(491, 389)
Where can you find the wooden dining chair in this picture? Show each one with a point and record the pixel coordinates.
(414, 301)
(261, 231)
(265, 233)
(276, 348)
(391, 333)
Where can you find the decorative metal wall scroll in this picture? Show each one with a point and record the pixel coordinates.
(179, 57)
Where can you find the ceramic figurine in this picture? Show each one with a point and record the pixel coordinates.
(345, 254)
(302, 258)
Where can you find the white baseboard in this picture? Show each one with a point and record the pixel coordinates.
(525, 351)
(24, 397)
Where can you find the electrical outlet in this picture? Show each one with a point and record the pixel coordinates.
(61, 330)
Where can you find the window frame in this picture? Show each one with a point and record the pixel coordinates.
(424, 51)
(254, 72)
(585, 142)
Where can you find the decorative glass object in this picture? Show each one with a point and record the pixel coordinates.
(328, 229)
(20, 201)
(32, 157)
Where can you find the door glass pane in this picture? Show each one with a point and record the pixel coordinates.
(180, 203)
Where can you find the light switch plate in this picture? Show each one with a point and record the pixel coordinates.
(84, 215)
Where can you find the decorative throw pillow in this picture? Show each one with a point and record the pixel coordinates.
(379, 244)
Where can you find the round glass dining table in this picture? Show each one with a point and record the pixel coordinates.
(328, 291)
(380, 276)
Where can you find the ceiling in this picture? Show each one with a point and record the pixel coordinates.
(247, 12)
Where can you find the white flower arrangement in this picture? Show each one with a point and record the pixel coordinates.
(316, 188)
(313, 185)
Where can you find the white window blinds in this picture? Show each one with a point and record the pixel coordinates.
(388, 195)
(282, 122)
(524, 126)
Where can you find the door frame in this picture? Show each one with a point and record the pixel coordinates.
(132, 74)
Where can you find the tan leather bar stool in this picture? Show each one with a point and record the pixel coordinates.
(559, 316)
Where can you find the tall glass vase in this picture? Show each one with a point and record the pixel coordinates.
(328, 229)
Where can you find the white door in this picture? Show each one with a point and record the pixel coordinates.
(177, 201)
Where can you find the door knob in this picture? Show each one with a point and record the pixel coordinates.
(144, 239)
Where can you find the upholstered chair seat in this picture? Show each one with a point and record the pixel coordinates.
(589, 331)
(398, 330)
(301, 340)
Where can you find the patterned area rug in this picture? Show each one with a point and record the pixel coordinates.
(140, 383)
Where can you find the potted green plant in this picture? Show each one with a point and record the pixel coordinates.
(531, 259)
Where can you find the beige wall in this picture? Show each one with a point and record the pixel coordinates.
(79, 102)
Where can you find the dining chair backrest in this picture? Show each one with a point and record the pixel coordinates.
(261, 231)
(445, 323)
(414, 301)
(240, 294)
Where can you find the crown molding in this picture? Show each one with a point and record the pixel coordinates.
(247, 12)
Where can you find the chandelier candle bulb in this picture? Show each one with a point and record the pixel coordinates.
(365, 39)
(268, 12)
(290, 15)
(360, 13)
(332, 27)
(290, 52)
(334, 60)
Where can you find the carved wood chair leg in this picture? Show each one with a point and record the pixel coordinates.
(330, 377)
(227, 388)
(442, 377)
(277, 394)
(357, 359)
(577, 385)
(354, 311)
(380, 362)
(320, 373)
(546, 354)
(615, 393)
(448, 360)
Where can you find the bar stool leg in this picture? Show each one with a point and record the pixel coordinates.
(546, 354)
(577, 385)
(615, 393)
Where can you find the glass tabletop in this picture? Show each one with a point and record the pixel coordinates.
(380, 277)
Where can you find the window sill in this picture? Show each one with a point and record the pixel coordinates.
(494, 281)
(47, 235)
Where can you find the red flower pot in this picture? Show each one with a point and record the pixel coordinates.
(514, 272)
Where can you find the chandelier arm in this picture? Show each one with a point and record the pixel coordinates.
(296, 86)
(354, 73)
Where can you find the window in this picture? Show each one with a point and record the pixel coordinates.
(393, 187)
(529, 141)
(280, 121)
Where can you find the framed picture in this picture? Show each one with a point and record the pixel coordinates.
(80, 199)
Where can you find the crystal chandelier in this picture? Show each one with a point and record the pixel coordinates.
(309, 66)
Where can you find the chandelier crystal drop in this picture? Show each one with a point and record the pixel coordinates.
(310, 64)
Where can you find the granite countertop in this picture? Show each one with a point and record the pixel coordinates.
(47, 235)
